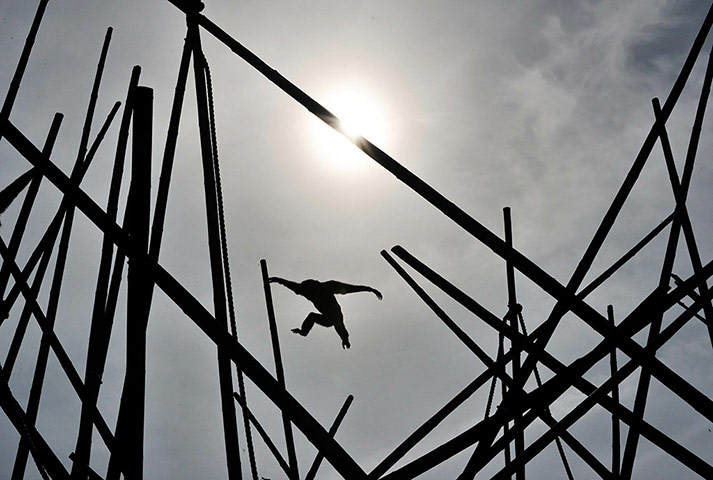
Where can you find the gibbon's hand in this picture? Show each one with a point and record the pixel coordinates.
(345, 344)
(378, 294)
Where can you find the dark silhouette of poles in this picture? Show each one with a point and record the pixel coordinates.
(24, 215)
(263, 434)
(22, 62)
(230, 430)
(279, 370)
(57, 348)
(681, 221)
(43, 354)
(194, 310)
(130, 422)
(564, 295)
(615, 423)
(496, 370)
(312, 472)
(46, 460)
(102, 322)
(572, 376)
(512, 319)
(64, 216)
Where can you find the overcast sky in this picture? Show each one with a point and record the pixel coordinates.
(539, 105)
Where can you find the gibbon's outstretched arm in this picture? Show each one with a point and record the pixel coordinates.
(344, 288)
(294, 286)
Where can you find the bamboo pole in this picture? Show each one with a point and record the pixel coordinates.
(312, 472)
(64, 212)
(130, 423)
(452, 326)
(194, 310)
(615, 422)
(497, 370)
(524, 265)
(24, 320)
(59, 351)
(33, 402)
(606, 274)
(230, 430)
(22, 62)
(563, 295)
(101, 324)
(465, 439)
(49, 237)
(512, 305)
(279, 370)
(42, 453)
(572, 376)
(681, 221)
(169, 151)
(27, 204)
(67, 213)
(263, 434)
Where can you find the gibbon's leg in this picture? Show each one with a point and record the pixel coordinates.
(308, 323)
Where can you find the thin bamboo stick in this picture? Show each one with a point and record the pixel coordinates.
(287, 426)
(568, 376)
(528, 268)
(465, 439)
(66, 212)
(681, 221)
(22, 62)
(27, 204)
(615, 427)
(498, 370)
(48, 239)
(45, 458)
(606, 274)
(312, 472)
(263, 434)
(130, 423)
(101, 324)
(512, 305)
(57, 348)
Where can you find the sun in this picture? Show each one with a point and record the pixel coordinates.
(360, 115)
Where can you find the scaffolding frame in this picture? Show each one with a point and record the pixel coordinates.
(137, 241)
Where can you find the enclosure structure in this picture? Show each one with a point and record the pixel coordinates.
(134, 242)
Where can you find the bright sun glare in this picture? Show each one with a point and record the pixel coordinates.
(360, 115)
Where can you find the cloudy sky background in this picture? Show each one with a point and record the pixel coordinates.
(539, 105)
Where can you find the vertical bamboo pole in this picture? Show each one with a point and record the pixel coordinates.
(169, 152)
(130, 424)
(512, 319)
(101, 324)
(230, 430)
(615, 424)
(312, 472)
(289, 440)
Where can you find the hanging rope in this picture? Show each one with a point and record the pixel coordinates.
(501, 342)
(224, 253)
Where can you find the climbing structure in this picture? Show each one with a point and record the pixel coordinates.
(504, 434)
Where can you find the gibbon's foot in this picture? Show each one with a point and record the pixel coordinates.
(297, 331)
